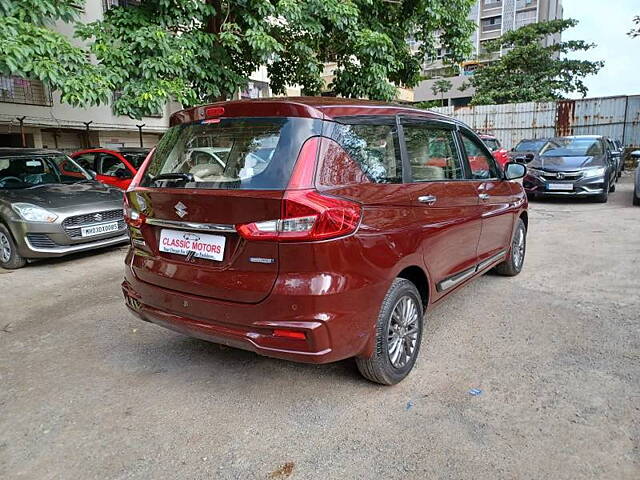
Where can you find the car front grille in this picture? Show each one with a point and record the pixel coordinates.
(73, 225)
(562, 175)
(93, 218)
(40, 240)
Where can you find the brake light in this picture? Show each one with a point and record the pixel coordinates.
(132, 217)
(213, 112)
(307, 215)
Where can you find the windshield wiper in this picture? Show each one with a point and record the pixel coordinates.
(185, 177)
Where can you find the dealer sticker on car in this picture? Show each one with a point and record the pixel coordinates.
(199, 245)
(99, 229)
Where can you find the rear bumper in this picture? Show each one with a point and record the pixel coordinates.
(332, 332)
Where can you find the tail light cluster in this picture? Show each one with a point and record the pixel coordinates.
(132, 217)
(307, 214)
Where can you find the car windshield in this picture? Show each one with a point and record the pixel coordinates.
(573, 147)
(530, 146)
(492, 143)
(26, 171)
(232, 153)
(135, 158)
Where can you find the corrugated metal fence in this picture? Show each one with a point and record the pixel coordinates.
(615, 117)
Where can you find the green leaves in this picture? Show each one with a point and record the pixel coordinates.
(533, 68)
(197, 51)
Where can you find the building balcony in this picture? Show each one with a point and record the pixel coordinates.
(24, 91)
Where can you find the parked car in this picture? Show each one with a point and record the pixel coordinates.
(50, 206)
(499, 153)
(620, 146)
(527, 150)
(615, 155)
(113, 167)
(333, 225)
(636, 186)
(578, 166)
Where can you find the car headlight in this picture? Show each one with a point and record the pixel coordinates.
(594, 172)
(34, 213)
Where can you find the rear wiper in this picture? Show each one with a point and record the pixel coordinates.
(185, 177)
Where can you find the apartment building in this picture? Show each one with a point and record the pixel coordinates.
(31, 113)
(492, 18)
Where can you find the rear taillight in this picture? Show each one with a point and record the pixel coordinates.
(132, 217)
(307, 216)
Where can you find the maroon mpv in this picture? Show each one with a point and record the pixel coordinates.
(316, 229)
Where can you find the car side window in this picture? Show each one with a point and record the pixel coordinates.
(374, 148)
(86, 161)
(109, 164)
(432, 153)
(482, 165)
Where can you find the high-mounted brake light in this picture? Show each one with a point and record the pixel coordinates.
(213, 112)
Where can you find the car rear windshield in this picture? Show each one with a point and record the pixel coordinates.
(233, 153)
(572, 147)
(30, 171)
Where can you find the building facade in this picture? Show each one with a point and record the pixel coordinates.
(493, 18)
(32, 115)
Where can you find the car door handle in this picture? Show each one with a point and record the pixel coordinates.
(428, 199)
(484, 196)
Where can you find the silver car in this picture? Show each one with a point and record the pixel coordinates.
(50, 206)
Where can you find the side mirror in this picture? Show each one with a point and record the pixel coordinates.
(513, 171)
(92, 173)
(635, 154)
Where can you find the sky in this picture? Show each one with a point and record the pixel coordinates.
(606, 24)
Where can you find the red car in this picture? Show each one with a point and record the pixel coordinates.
(113, 167)
(499, 153)
(320, 229)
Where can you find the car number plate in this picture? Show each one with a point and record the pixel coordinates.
(210, 247)
(560, 186)
(99, 229)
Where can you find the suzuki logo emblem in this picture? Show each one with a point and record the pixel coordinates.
(181, 209)
(97, 217)
(560, 175)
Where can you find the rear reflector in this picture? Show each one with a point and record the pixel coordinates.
(289, 334)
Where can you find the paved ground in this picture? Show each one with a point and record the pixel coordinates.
(86, 391)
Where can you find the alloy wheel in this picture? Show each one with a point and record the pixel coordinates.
(517, 248)
(5, 248)
(402, 333)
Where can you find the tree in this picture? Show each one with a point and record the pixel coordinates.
(29, 48)
(529, 71)
(202, 50)
(635, 31)
(441, 87)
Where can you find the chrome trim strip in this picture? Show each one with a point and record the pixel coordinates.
(447, 283)
(212, 227)
(490, 260)
(454, 280)
(64, 249)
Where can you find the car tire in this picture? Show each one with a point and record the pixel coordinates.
(636, 198)
(602, 197)
(10, 259)
(398, 335)
(514, 262)
(612, 188)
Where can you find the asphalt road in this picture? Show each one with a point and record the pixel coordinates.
(87, 391)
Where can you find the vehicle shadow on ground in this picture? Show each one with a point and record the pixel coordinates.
(78, 256)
